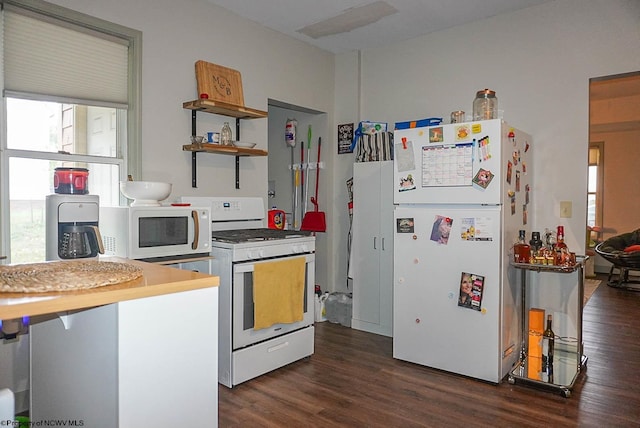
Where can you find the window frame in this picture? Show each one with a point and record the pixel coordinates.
(599, 193)
(132, 150)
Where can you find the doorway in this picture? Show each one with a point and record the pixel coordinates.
(281, 190)
(614, 141)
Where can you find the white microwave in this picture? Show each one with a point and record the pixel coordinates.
(155, 233)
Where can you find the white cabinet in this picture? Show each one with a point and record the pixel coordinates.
(148, 362)
(372, 247)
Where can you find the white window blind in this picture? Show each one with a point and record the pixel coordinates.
(54, 60)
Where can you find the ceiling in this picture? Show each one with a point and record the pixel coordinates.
(340, 26)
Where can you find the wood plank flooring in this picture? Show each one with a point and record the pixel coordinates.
(353, 381)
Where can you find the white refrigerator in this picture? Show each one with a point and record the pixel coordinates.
(462, 193)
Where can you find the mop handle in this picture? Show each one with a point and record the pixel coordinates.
(318, 173)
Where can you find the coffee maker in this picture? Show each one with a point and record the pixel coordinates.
(72, 227)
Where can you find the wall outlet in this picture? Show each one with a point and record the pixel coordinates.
(565, 209)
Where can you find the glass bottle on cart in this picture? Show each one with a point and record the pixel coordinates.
(548, 342)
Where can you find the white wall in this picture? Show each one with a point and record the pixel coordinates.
(347, 110)
(538, 60)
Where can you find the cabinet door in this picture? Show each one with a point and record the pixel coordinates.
(372, 254)
(385, 263)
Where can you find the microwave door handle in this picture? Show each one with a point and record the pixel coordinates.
(196, 229)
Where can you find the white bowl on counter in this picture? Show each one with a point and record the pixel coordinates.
(145, 193)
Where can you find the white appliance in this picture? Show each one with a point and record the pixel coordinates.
(155, 234)
(71, 214)
(240, 242)
(462, 193)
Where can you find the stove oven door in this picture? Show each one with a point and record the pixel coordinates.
(243, 307)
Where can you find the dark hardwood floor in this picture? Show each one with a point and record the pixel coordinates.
(353, 381)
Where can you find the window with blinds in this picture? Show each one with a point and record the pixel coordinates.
(71, 98)
(45, 57)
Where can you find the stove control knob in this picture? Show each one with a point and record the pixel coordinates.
(256, 254)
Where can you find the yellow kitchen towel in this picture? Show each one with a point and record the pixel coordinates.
(278, 292)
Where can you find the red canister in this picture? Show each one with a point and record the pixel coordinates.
(276, 219)
(71, 181)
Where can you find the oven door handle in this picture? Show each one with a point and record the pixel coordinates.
(196, 229)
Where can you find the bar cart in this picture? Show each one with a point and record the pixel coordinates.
(568, 362)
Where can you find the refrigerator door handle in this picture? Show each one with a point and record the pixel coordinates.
(382, 244)
(374, 242)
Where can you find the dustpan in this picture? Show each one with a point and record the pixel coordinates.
(315, 221)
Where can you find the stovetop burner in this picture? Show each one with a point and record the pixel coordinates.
(250, 235)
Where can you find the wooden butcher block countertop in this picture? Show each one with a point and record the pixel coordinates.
(156, 280)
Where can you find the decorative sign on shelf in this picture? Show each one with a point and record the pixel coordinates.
(219, 83)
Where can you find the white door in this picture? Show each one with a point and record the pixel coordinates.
(372, 247)
(429, 326)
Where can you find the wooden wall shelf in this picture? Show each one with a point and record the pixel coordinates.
(224, 150)
(225, 109)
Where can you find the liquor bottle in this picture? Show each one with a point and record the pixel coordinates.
(521, 250)
(560, 248)
(225, 135)
(548, 342)
(535, 243)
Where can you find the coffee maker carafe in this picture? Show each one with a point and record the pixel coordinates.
(78, 242)
(72, 227)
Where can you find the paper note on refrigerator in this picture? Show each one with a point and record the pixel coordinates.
(404, 156)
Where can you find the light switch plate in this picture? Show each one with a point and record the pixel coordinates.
(565, 209)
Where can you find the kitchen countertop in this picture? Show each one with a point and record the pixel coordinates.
(156, 280)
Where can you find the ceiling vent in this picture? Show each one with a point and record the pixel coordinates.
(350, 19)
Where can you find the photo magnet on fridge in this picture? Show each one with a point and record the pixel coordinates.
(471, 289)
(483, 177)
(406, 183)
(441, 229)
(462, 132)
(405, 225)
(436, 135)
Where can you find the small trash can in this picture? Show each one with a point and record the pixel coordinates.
(339, 307)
